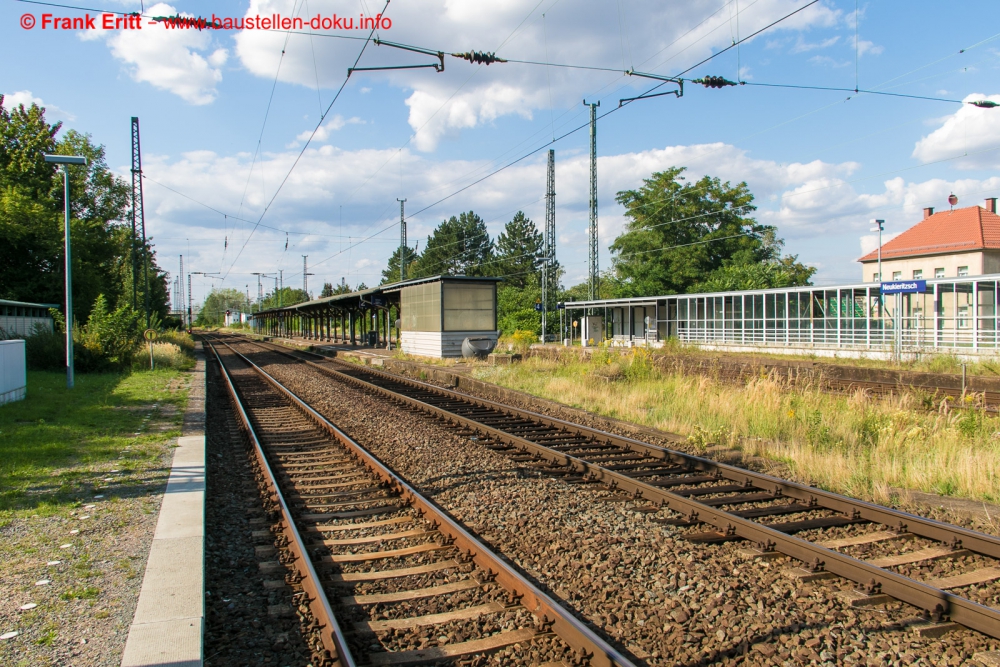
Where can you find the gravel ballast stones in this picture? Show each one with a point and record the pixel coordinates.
(667, 601)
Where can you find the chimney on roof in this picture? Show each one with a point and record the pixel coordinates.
(991, 204)
(928, 212)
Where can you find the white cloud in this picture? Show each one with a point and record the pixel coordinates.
(325, 130)
(664, 37)
(828, 62)
(865, 47)
(801, 46)
(181, 61)
(13, 100)
(969, 131)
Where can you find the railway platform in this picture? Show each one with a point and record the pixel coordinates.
(168, 626)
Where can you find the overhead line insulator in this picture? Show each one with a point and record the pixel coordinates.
(984, 104)
(480, 57)
(714, 82)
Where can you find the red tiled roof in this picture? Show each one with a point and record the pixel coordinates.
(962, 230)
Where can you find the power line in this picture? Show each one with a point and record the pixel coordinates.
(849, 90)
(306, 145)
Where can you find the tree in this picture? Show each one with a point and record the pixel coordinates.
(218, 301)
(518, 251)
(390, 274)
(516, 306)
(680, 233)
(762, 275)
(459, 246)
(31, 220)
(286, 296)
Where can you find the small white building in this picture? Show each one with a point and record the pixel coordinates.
(13, 371)
(19, 318)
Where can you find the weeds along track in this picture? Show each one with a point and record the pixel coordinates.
(950, 573)
(385, 576)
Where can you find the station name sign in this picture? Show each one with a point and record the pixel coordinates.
(904, 287)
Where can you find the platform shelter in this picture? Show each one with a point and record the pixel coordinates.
(19, 318)
(425, 316)
(955, 315)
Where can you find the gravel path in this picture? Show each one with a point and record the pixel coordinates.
(667, 601)
(71, 581)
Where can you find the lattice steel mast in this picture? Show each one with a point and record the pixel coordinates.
(550, 279)
(305, 275)
(138, 215)
(593, 276)
(402, 241)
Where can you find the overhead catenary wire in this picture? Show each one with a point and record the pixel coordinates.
(306, 145)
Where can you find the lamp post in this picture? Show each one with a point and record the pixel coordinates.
(64, 161)
(878, 226)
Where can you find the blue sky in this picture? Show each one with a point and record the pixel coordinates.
(821, 163)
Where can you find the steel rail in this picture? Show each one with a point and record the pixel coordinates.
(961, 610)
(333, 640)
(553, 618)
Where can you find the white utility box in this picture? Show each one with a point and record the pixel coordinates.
(13, 371)
(593, 330)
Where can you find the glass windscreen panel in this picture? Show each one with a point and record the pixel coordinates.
(421, 307)
(469, 307)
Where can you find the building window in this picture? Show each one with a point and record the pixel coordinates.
(918, 274)
(963, 271)
(963, 317)
(897, 275)
(875, 277)
(939, 273)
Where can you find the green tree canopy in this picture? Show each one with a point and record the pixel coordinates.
(459, 246)
(286, 296)
(390, 274)
(218, 301)
(31, 220)
(518, 251)
(735, 276)
(679, 234)
(330, 290)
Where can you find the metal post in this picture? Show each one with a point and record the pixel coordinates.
(549, 248)
(305, 275)
(179, 304)
(69, 286)
(402, 241)
(137, 210)
(64, 161)
(593, 289)
(190, 321)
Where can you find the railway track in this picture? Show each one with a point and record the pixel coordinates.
(949, 572)
(387, 577)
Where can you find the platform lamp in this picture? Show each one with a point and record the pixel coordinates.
(64, 161)
(879, 226)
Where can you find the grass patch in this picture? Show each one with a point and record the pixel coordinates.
(851, 444)
(81, 593)
(54, 443)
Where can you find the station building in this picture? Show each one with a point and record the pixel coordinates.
(948, 244)
(432, 316)
(956, 252)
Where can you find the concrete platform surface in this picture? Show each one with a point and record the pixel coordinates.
(168, 627)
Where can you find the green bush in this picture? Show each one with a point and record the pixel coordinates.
(180, 338)
(165, 355)
(45, 350)
(109, 339)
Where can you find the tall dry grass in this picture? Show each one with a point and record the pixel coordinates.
(851, 444)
